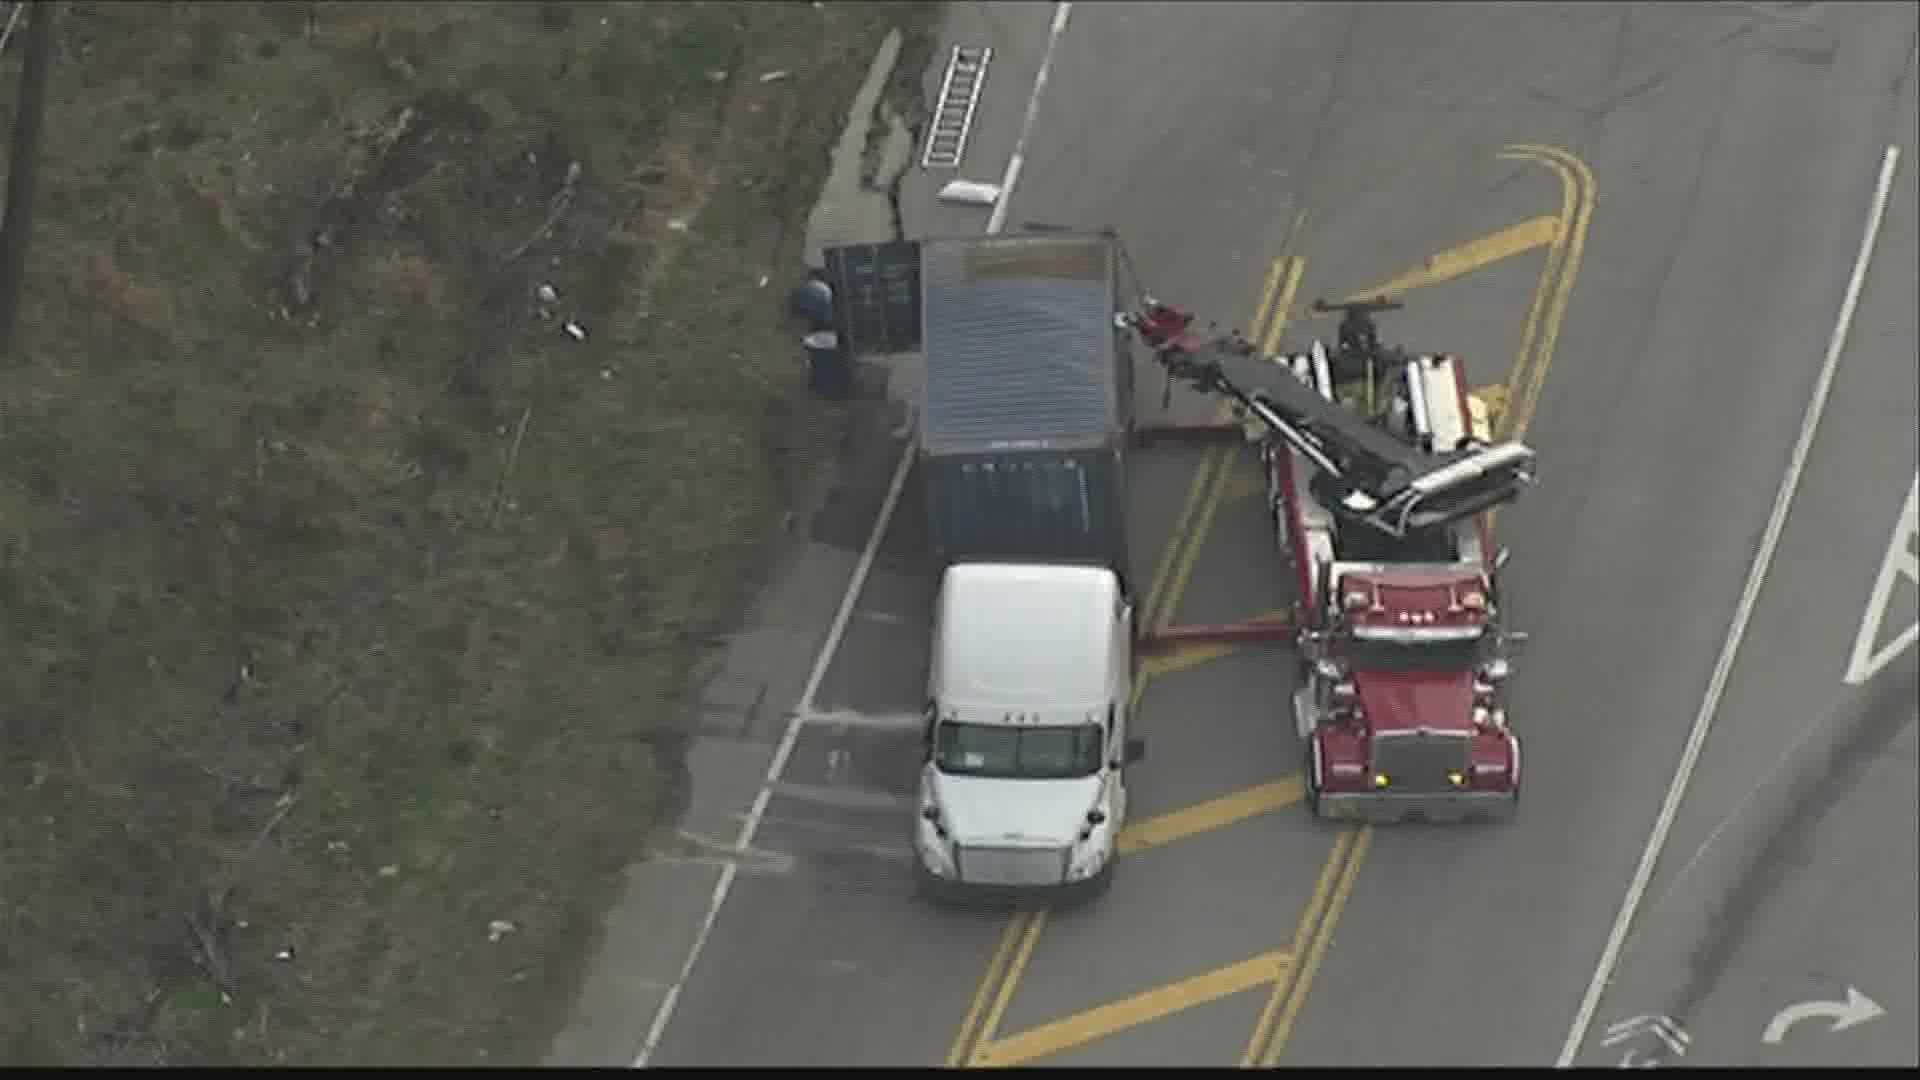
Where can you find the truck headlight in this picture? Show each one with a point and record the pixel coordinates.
(1382, 780)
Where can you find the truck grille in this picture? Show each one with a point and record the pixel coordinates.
(1419, 763)
(1012, 865)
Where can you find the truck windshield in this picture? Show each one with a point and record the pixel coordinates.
(1026, 753)
(1372, 654)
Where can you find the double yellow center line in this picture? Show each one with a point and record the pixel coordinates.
(1522, 392)
(1310, 941)
(1168, 584)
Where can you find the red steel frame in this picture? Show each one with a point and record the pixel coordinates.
(1250, 631)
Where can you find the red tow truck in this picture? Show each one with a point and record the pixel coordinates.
(1380, 479)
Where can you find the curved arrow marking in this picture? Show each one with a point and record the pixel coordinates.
(1856, 1010)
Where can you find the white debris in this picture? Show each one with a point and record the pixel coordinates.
(773, 76)
(499, 928)
(389, 870)
(763, 282)
(575, 331)
(285, 954)
(678, 225)
(546, 294)
(970, 193)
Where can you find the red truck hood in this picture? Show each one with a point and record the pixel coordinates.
(1405, 700)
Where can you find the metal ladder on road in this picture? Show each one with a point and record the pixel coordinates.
(953, 115)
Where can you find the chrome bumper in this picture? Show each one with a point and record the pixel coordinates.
(1386, 808)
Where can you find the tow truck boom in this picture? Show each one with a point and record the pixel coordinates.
(1389, 484)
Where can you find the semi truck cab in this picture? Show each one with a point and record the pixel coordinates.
(1023, 779)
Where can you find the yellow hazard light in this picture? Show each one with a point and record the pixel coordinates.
(1380, 779)
(1456, 778)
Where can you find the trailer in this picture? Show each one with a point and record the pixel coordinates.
(1028, 399)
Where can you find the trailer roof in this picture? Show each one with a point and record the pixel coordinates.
(1019, 341)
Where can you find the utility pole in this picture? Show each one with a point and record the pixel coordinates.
(23, 166)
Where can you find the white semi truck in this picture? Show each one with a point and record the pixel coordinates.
(1024, 431)
(1023, 784)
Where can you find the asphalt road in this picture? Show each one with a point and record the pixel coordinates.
(1794, 867)
(1733, 151)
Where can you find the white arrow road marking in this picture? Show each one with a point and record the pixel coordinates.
(1856, 1010)
(1664, 1028)
(1900, 563)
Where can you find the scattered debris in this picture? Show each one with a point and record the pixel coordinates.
(970, 193)
(575, 330)
(556, 208)
(546, 294)
(389, 870)
(332, 214)
(285, 954)
(718, 75)
(773, 76)
(498, 929)
(501, 502)
(678, 225)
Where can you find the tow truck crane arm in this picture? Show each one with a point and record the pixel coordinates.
(1378, 480)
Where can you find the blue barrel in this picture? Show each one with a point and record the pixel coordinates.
(829, 367)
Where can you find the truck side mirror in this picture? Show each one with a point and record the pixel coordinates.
(1500, 557)
(1133, 751)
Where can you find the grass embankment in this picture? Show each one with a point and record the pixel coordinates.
(340, 585)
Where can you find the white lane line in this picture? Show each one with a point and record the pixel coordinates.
(1723, 667)
(861, 569)
(1018, 159)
